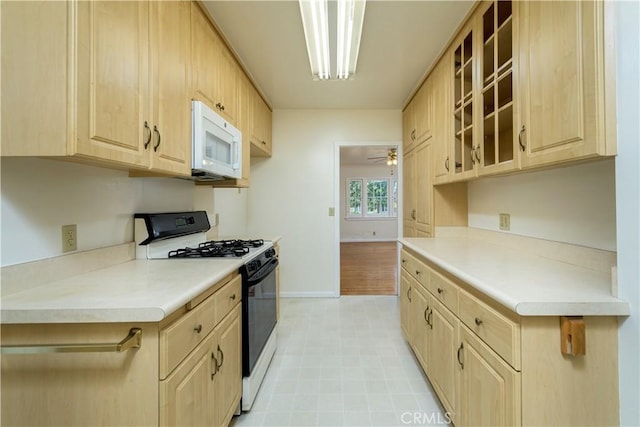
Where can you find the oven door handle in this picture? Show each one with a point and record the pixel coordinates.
(263, 272)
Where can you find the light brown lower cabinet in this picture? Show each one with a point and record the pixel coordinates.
(491, 367)
(187, 371)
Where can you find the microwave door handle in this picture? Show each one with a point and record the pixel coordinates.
(236, 154)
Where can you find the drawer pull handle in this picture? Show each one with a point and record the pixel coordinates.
(404, 261)
(221, 357)
(417, 272)
(440, 290)
(478, 321)
(459, 351)
(215, 365)
(198, 328)
(233, 297)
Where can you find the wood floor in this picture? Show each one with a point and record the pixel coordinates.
(368, 268)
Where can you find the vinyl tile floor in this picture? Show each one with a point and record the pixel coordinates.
(343, 362)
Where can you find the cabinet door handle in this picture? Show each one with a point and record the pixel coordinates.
(426, 318)
(478, 321)
(473, 154)
(219, 106)
(446, 164)
(459, 351)
(413, 214)
(522, 146)
(221, 357)
(409, 294)
(198, 328)
(148, 141)
(155, 130)
(222, 108)
(478, 154)
(215, 365)
(440, 290)
(429, 319)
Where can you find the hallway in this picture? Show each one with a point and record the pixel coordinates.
(368, 268)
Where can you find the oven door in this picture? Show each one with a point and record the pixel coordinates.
(259, 313)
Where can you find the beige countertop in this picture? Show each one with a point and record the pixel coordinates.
(524, 282)
(132, 291)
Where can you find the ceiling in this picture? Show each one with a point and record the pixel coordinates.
(400, 41)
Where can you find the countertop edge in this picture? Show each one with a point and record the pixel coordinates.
(526, 308)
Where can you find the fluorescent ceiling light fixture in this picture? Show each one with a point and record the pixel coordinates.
(316, 31)
(349, 15)
(350, 19)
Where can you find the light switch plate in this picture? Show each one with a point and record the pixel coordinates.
(332, 211)
(505, 221)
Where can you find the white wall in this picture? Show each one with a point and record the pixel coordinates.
(291, 192)
(39, 196)
(628, 206)
(575, 204)
(231, 207)
(363, 229)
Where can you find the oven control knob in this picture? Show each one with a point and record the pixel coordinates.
(254, 265)
(270, 253)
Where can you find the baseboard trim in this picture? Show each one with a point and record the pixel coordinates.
(390, 239)
(308, 295)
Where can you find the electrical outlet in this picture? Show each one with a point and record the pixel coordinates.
(69, 238)
(505, 221)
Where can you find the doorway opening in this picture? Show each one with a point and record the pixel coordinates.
(367, 211)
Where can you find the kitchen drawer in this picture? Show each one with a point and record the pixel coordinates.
(183, 335)
(499, 332)
(227, 297)
(415, 267)
(444, 290)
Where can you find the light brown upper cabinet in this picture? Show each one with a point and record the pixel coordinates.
(423, 111)
(260, 136)
(462, 108)
(417, 118)
(529, 88)
(86, 80)
(496, 149)
(441, 119)
(215, 72)
(409, 137)
(562, 82)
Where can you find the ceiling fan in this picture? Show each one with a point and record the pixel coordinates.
(391, 157)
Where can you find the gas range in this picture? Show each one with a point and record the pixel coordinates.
(183, 235)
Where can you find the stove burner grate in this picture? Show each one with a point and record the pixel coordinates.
(218, 248)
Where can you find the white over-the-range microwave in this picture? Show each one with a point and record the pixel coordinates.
(217, 146)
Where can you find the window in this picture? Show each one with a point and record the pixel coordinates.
(372, 197)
